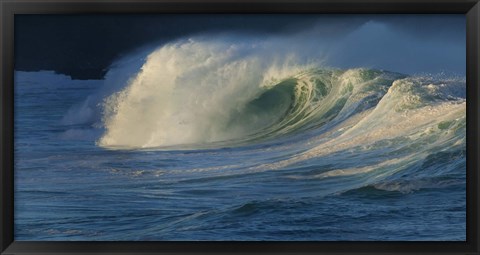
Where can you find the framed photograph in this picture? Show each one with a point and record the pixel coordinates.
(201, 127)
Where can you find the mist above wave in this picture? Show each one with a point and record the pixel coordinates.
(229, 90)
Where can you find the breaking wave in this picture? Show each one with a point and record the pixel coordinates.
(197, 94)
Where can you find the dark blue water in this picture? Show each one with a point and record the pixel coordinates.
(295, 187)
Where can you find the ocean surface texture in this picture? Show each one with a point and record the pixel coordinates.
(185, 143)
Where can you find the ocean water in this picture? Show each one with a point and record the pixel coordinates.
(177, 144)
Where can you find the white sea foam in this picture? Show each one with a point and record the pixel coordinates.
(185, 93)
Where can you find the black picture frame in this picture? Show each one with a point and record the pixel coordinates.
(10, 8)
